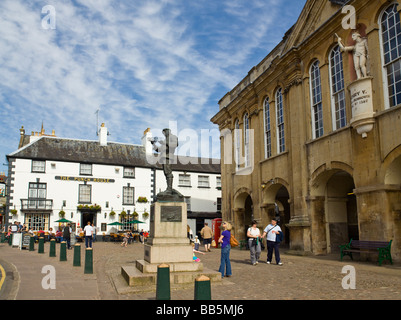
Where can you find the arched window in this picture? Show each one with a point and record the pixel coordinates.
(316, 100)
(237, 143)
(280, 121)
(337, 89)
(268, 140)
(246, 140)
(391, 43)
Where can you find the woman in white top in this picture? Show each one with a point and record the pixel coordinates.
(253, 234)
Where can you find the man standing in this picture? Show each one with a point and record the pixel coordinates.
(207, 235)
(272, 230)
(67, 235)
(88, 231)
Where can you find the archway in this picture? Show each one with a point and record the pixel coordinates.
(276, 205)
(243, 213)
(334, 211)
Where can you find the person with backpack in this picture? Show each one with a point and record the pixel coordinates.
(274, 237)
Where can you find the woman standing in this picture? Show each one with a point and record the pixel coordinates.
(225, 265)
(253, 234)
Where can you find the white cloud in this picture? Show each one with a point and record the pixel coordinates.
(142, 62)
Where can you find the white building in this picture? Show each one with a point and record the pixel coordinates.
(101, 182)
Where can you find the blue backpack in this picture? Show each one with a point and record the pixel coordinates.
(279, 237)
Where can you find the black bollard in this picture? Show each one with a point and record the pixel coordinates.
(77, 255)
(202, 288)
(41, 248)
(52, 252)
(88, 261)
(32, 243)
(63, 251)
(163, 282)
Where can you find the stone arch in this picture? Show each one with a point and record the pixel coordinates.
(243, 212)
(333, 207)
(276, 204)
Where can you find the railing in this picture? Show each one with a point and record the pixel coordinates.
(36, 204)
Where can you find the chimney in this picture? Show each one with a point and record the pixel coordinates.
(103, 135)
(147, 136)
(21, 140)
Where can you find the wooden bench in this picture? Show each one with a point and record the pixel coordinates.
(369, 247)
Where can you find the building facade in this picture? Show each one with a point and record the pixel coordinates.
(99, 181)
(300, 141)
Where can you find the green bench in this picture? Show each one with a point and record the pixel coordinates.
(369, 247)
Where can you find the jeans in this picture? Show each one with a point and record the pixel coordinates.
(272, 245)
(255, 251)
(225, 264)
(68, 240)
(88, 241)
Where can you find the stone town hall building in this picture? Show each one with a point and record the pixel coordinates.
(325, 155)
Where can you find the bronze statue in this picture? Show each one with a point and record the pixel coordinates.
(166, 151)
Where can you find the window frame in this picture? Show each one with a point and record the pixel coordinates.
(202, 184)
(247, 154)
(338, 98)
(79, 193)
(82, 169)
(125, 200)
(40, 170)
(267, 128)
(280, 121)
(392, 62)
(316, 103)
(125, 170)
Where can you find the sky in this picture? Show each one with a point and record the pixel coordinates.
(139, 63)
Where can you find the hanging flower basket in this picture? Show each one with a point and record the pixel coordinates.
(112, 213)
(13, 211)
(86, 207)
(123, 214)
(136, 215)
(145, 215)
(142, 199)
(61, 214)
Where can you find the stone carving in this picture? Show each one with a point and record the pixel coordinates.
(360, 52)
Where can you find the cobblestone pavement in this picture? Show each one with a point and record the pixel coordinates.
(300, 277)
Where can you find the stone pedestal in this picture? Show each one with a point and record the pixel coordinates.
(362, 105)
(168, 244)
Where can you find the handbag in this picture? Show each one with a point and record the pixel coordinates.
(233, 242)
(213, 243)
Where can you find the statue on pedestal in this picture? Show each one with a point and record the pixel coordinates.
(360, 52)
(166, 151)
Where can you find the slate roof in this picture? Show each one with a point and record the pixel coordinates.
(118, 154)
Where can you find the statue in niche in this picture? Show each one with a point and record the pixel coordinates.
(360, 53)
(166, 151)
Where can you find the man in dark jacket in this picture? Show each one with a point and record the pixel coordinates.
(67, 235)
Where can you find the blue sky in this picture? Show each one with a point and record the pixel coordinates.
(142, 63)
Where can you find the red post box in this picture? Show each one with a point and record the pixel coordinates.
(216, 223)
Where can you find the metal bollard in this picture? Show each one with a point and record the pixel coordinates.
(63, 251)
(41, 248)
(52, 252)
(32, 243)
(3, 237)
(163, 282)
(77, 255)
(10, 239)
(88, 261)
(202, 288)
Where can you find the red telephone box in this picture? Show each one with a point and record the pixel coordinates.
(216, 223)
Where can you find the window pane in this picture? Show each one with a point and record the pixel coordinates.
(85, 193)
(85, 169)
